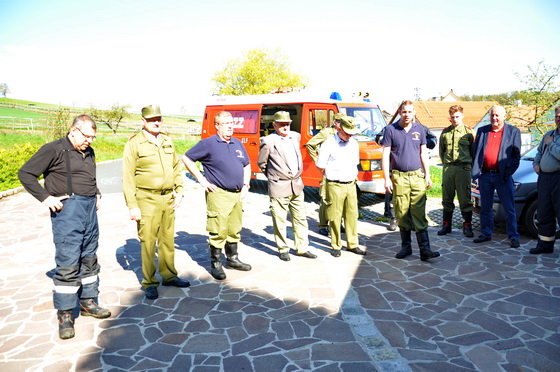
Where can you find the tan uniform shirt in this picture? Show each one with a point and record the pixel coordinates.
(151, 166)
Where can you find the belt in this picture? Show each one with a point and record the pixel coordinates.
(343, 182)
(550, 173)
(459, 164)
(407, 173)
(159, 192)
(491, 171)
(231, 190)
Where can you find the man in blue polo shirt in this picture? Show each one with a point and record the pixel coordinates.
(405, 152)
(227, 173)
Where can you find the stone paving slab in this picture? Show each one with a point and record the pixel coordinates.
(477, 308)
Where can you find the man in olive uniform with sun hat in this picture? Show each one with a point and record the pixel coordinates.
(313, 146)
(153, 189)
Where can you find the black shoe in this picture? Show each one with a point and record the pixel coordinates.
(151, 293)
(285, 256)
(467, 229)
(65, 324)
(177, 282)
(88, 307)
(335, 253)
(538, 250)
(482, 239)
(324, 231)
(514, 243)
(392, 225)
(307, 255)
(359, 251)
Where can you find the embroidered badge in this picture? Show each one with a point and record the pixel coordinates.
(416, 136)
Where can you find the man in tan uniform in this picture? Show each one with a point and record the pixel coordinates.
(153, 189)
(313, 146)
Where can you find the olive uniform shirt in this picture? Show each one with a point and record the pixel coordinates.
(456, 145)
(314, 143)
(151, 167)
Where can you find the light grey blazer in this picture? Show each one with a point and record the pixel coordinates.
(273, 163)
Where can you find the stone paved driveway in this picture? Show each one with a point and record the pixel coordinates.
(477, 308)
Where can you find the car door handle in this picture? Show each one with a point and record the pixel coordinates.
(253, 143)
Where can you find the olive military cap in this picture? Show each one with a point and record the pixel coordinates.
(151, 111)
(347, 125)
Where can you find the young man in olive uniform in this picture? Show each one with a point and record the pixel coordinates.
(153, 189)
(456, 154)
(313, 146)
(407, 176)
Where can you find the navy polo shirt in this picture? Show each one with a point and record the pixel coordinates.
(405, 147)
(223, 162)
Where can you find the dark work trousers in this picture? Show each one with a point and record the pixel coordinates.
(75, 235)
(389, 211)
(548, 204)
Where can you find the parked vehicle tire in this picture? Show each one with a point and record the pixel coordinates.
(529, 218)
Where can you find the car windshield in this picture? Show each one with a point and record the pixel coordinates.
(369, 121)
(530, 155)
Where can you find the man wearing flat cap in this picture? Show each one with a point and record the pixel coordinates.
(313, 146)
(153, 189)
(338, 161)
(280, 160)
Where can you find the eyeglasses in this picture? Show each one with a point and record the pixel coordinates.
(85, 135)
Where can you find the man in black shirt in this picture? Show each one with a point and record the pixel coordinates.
(71, 194)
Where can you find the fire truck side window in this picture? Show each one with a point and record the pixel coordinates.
(319, 119)
(245, 121)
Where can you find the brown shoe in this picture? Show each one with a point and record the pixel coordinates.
(65, 324)
(88, 307)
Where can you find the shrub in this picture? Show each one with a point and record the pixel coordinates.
(11, 160)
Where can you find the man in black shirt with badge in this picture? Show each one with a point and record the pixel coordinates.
(71, 194)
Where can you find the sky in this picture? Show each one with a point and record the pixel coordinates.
(165, 52)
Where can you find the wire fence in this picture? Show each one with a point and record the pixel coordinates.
(17, 124)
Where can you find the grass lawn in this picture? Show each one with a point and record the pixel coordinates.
(435, 175)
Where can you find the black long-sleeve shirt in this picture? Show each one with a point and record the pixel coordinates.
(50, 161)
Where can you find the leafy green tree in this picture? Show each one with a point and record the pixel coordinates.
(111, 117)
(541, 92)
(260, 71)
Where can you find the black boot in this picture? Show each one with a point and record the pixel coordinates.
(216, 269)
(88, 307)
(232, 260)
(543, 247)
(446, 226)
(467, 225)
(65, 324)
(424, 244)
(406, 244)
